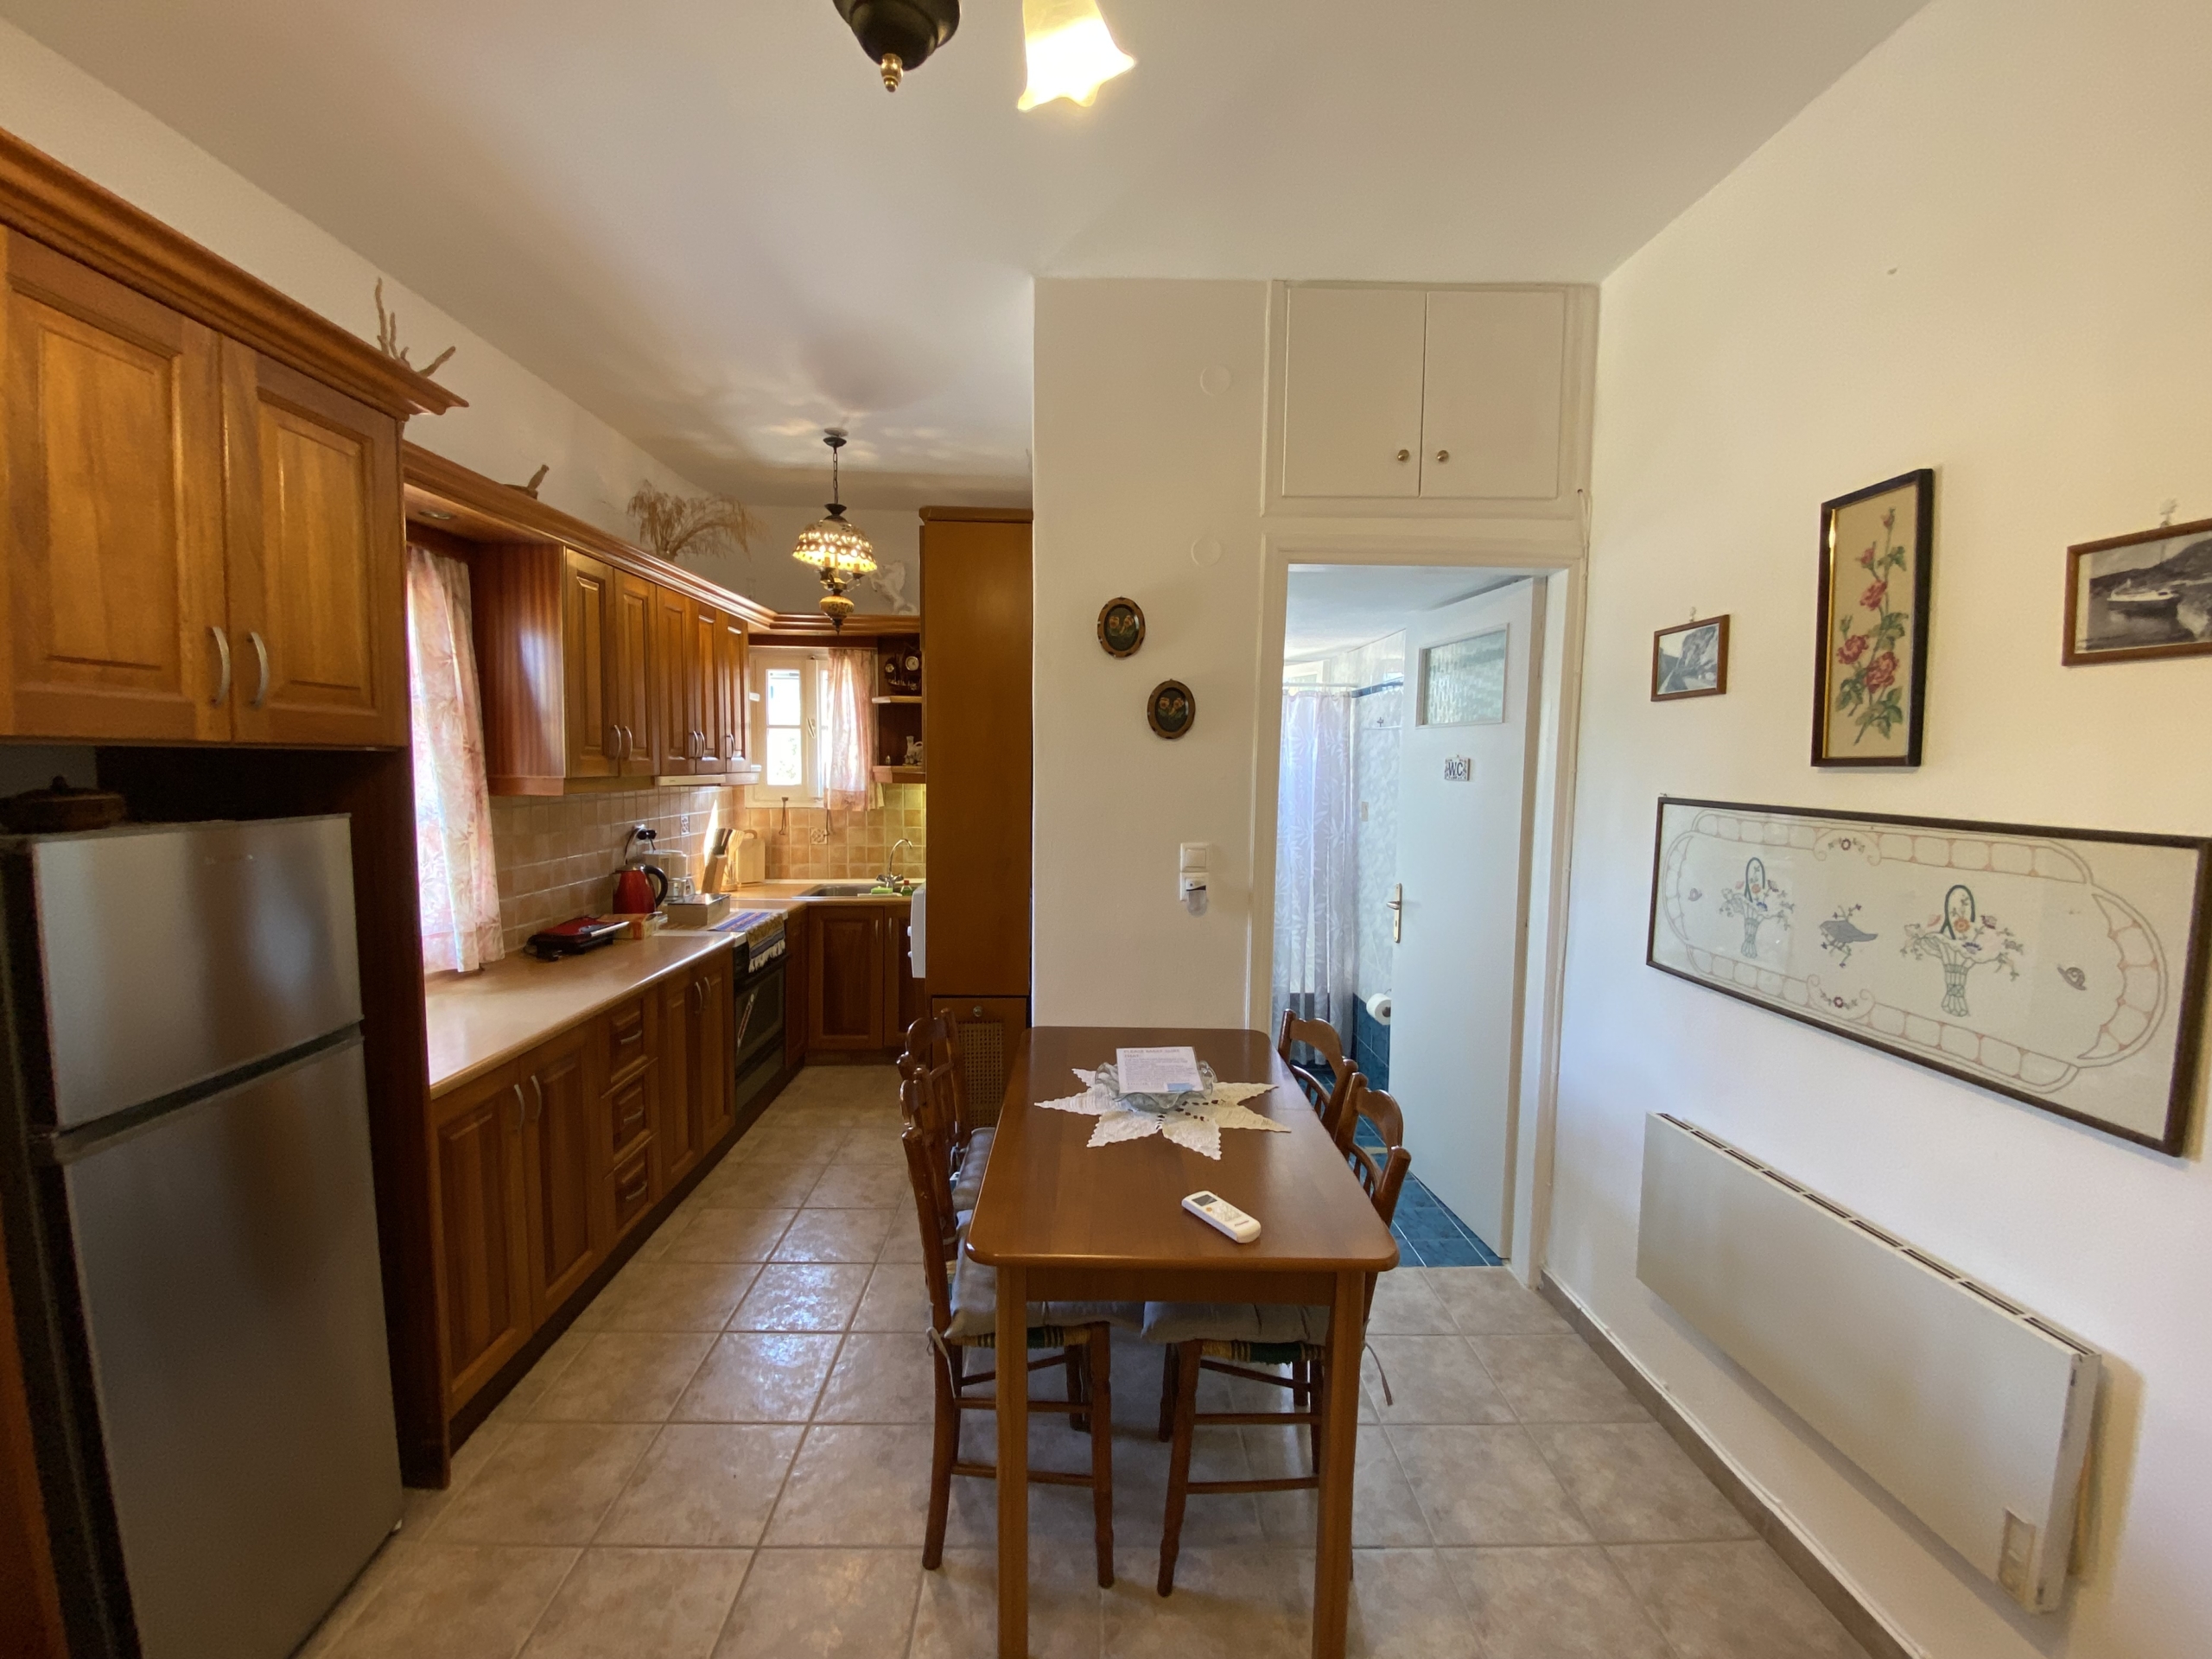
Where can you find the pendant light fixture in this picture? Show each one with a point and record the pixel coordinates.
(832, 547)
(1071, 51)
(899, 34)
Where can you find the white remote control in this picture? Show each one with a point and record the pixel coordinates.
(1219, 1213)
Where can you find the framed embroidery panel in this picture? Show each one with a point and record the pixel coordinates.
(1869, 663)
(2065, 968)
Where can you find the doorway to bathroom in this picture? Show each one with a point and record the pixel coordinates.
(1412, 713)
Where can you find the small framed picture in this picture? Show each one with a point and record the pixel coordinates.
(1690, 660)
(2148, 594)
(1870, 662)
(1121, 628)
(1172, 709)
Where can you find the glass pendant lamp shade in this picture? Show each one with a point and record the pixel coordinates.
(833, 544)
(1071, 51)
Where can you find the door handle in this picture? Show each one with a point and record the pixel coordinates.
(1443, 454)
(222, 654)
(537, 1105)
(1395, 904)
(518, 1108)
(1405, 455)
(261, 650)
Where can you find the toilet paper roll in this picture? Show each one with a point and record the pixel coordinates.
(1379, 1006)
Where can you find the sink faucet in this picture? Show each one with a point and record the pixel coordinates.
(891, 877)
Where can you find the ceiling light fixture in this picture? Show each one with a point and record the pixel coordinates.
(1071, 51)
(899, 34)
(832, 547)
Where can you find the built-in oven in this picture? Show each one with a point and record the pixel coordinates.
(757, 1024)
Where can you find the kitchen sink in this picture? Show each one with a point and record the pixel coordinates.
(840, 890)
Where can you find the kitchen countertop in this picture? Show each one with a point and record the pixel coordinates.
(480, 1021)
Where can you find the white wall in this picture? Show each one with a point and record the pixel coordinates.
(514, 420)
(1984, 249)
(1135, 465)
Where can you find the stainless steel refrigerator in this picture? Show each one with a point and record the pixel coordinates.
(191, 1226)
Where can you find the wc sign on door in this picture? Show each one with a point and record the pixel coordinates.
(1459, 769)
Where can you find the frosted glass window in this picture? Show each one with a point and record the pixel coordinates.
(1463, 683)
(785, 719)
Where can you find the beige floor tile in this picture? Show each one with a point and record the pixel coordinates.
(760, 1184)
(958, 1615)
(534, 1383)
(705, 1485)
(456, 1602)
(881, 1377)
(896, 1299)
(656, 1245)
(626, 1376)
(624, 1604)
(1403, 1606)
(1731, 1601)
(677, 1295)
(824, 1604)
(1491, 1302)
(1634, 1485)
(1556, 1380)
(835, 1235)
(903, 1241)
(1227, 1603)
(874, 1142)
(382, 1567)
(1552, 1603)
(791, 1296)
(855, 1484)
(797, 1142)
(1406, 1306)
(421, 1506)
(756, 1376)
(1432, 1380)
(1383, 1513)
(731, 1236)
(550, 1483)
(1140, 1492)
(847, 1186)
(1485, 1486)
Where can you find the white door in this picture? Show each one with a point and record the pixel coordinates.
(1464, 807)
(1352, 399)
(1491, 400)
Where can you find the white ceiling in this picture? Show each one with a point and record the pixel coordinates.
(1335, 608)
(706, 222)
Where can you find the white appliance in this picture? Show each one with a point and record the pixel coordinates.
(1971, 1411)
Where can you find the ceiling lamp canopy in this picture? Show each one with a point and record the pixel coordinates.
(899, 34)
(1071, 51)
(834, 547)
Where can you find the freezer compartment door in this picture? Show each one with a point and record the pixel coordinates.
(173, 954)
(227, 1258)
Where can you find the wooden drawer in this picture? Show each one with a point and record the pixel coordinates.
(628, 1042)
(633, 1188)
(629, 1113)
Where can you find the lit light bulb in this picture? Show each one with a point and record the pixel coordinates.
(1071, 51)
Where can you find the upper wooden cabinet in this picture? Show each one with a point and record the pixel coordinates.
(202, 543)
(729, 686)
(588, 621)
(1431, 403)
(630, 665)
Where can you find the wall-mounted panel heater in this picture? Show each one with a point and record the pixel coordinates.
(1968, 1410)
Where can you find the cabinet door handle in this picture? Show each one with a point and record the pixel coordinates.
(1443, 454)
(223, 656)
(635, 1189)
(537, 1104)
(261, 651)
(1405, 455)
(518, 1108)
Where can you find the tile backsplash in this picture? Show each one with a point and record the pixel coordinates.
(557, 856)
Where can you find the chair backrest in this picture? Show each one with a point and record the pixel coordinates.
(934, 1045)
(1382, 1173)
(929, 1173)
(1326, 1099)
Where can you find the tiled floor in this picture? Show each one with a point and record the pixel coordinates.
(728, 1456)
(1428, 1233)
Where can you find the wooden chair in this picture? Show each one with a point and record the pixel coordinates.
(1326, 1099)
(932, 1058)
(1230, 1340)
(963, 1315)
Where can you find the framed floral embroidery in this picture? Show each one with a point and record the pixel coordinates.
(1870, 669)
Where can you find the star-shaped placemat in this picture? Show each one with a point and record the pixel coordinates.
(1196, 1125)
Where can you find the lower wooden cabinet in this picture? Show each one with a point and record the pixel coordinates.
(482, 1223)
(695, 1073)
(564, 1162)
(855, 975)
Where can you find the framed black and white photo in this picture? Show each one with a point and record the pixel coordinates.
(2133, 597)
(1690, 660)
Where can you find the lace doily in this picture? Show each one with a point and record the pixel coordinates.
(1192, 1122)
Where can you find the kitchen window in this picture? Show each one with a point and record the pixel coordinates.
(785, 703)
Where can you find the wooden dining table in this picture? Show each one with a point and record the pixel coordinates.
(1063, 1221)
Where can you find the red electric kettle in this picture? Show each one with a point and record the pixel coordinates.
(639, 887)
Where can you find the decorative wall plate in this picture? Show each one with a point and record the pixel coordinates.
(1121, 628)
(1172, 709)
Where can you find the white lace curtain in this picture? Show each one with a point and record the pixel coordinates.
(459, 885)
(1316, 861)
(847, 729)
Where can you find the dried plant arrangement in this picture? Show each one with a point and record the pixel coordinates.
(388, 338)
(673, 525)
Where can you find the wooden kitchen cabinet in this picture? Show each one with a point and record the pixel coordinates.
(851, 966)
(728, 703)
(629, 695)
(483, 1224)
(317, 595)
(695, 1110)
(987, 1030)
(676, 684)
(563, 1168)
(592, 738)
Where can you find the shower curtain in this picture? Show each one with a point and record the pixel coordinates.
(1317, 865)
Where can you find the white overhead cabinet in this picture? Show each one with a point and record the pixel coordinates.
(1447, 401)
